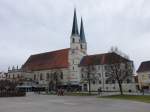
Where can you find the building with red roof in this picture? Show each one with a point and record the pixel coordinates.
(63, 68)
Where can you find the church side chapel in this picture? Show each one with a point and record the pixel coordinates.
(73, 69)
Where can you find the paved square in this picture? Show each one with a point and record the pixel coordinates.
(45, 103)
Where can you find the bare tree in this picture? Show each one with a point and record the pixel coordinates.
(120, 72)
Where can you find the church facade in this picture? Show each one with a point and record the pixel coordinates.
(70, 67)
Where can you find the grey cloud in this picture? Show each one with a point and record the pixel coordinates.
(34, 26)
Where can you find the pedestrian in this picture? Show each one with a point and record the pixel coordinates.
(62, 92)
(58, 92)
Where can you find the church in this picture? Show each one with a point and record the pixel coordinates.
(71, 67)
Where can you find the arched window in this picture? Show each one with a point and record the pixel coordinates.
(41, 76)
(61, 75)
(100, 82)
(47, 76)
(51, 76)
(82, 76)
(106, 81)
(73, 40)
(81, 47)
(94, 82)
(34, 76)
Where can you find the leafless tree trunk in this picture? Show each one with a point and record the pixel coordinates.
(120, 72)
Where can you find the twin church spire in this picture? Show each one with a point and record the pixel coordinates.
(75, 28)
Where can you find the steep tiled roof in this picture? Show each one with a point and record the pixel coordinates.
(144, 67)
(48, 60)
(100, 59)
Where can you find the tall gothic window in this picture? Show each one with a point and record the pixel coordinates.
(81, 47)
(94, 82)
(82, 76)
(47, 76)
(106, 81)
(41, 76)
(73, 40)
(73, 68)
(61, 75)
(100, 82)
(34, 76)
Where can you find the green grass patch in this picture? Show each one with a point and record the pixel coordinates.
(145, 99)
(79, 94)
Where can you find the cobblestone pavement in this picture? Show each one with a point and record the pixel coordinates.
(45, 103)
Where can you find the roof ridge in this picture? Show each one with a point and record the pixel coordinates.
(50, 51)
(98, 54)
(145, 61)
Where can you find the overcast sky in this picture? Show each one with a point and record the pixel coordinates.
(35, 26)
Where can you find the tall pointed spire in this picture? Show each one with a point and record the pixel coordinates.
(82, 35)
(75, 25)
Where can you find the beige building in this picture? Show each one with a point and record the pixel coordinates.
(143, 73)
(3, 75)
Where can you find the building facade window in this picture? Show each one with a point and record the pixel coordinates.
(100, 81)
(106, 74)
(47, 76)
(41, 76)
(34, 76)
(73, 40)
(128, 81)
(106, 88)
(93, 82)
(106, 81)
(99, 74)
(81, 47)
(113, 81)
(114, 88)
(61, 75)
(82, 76)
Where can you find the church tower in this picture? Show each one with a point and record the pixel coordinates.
(83, 40)
(77, 51)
